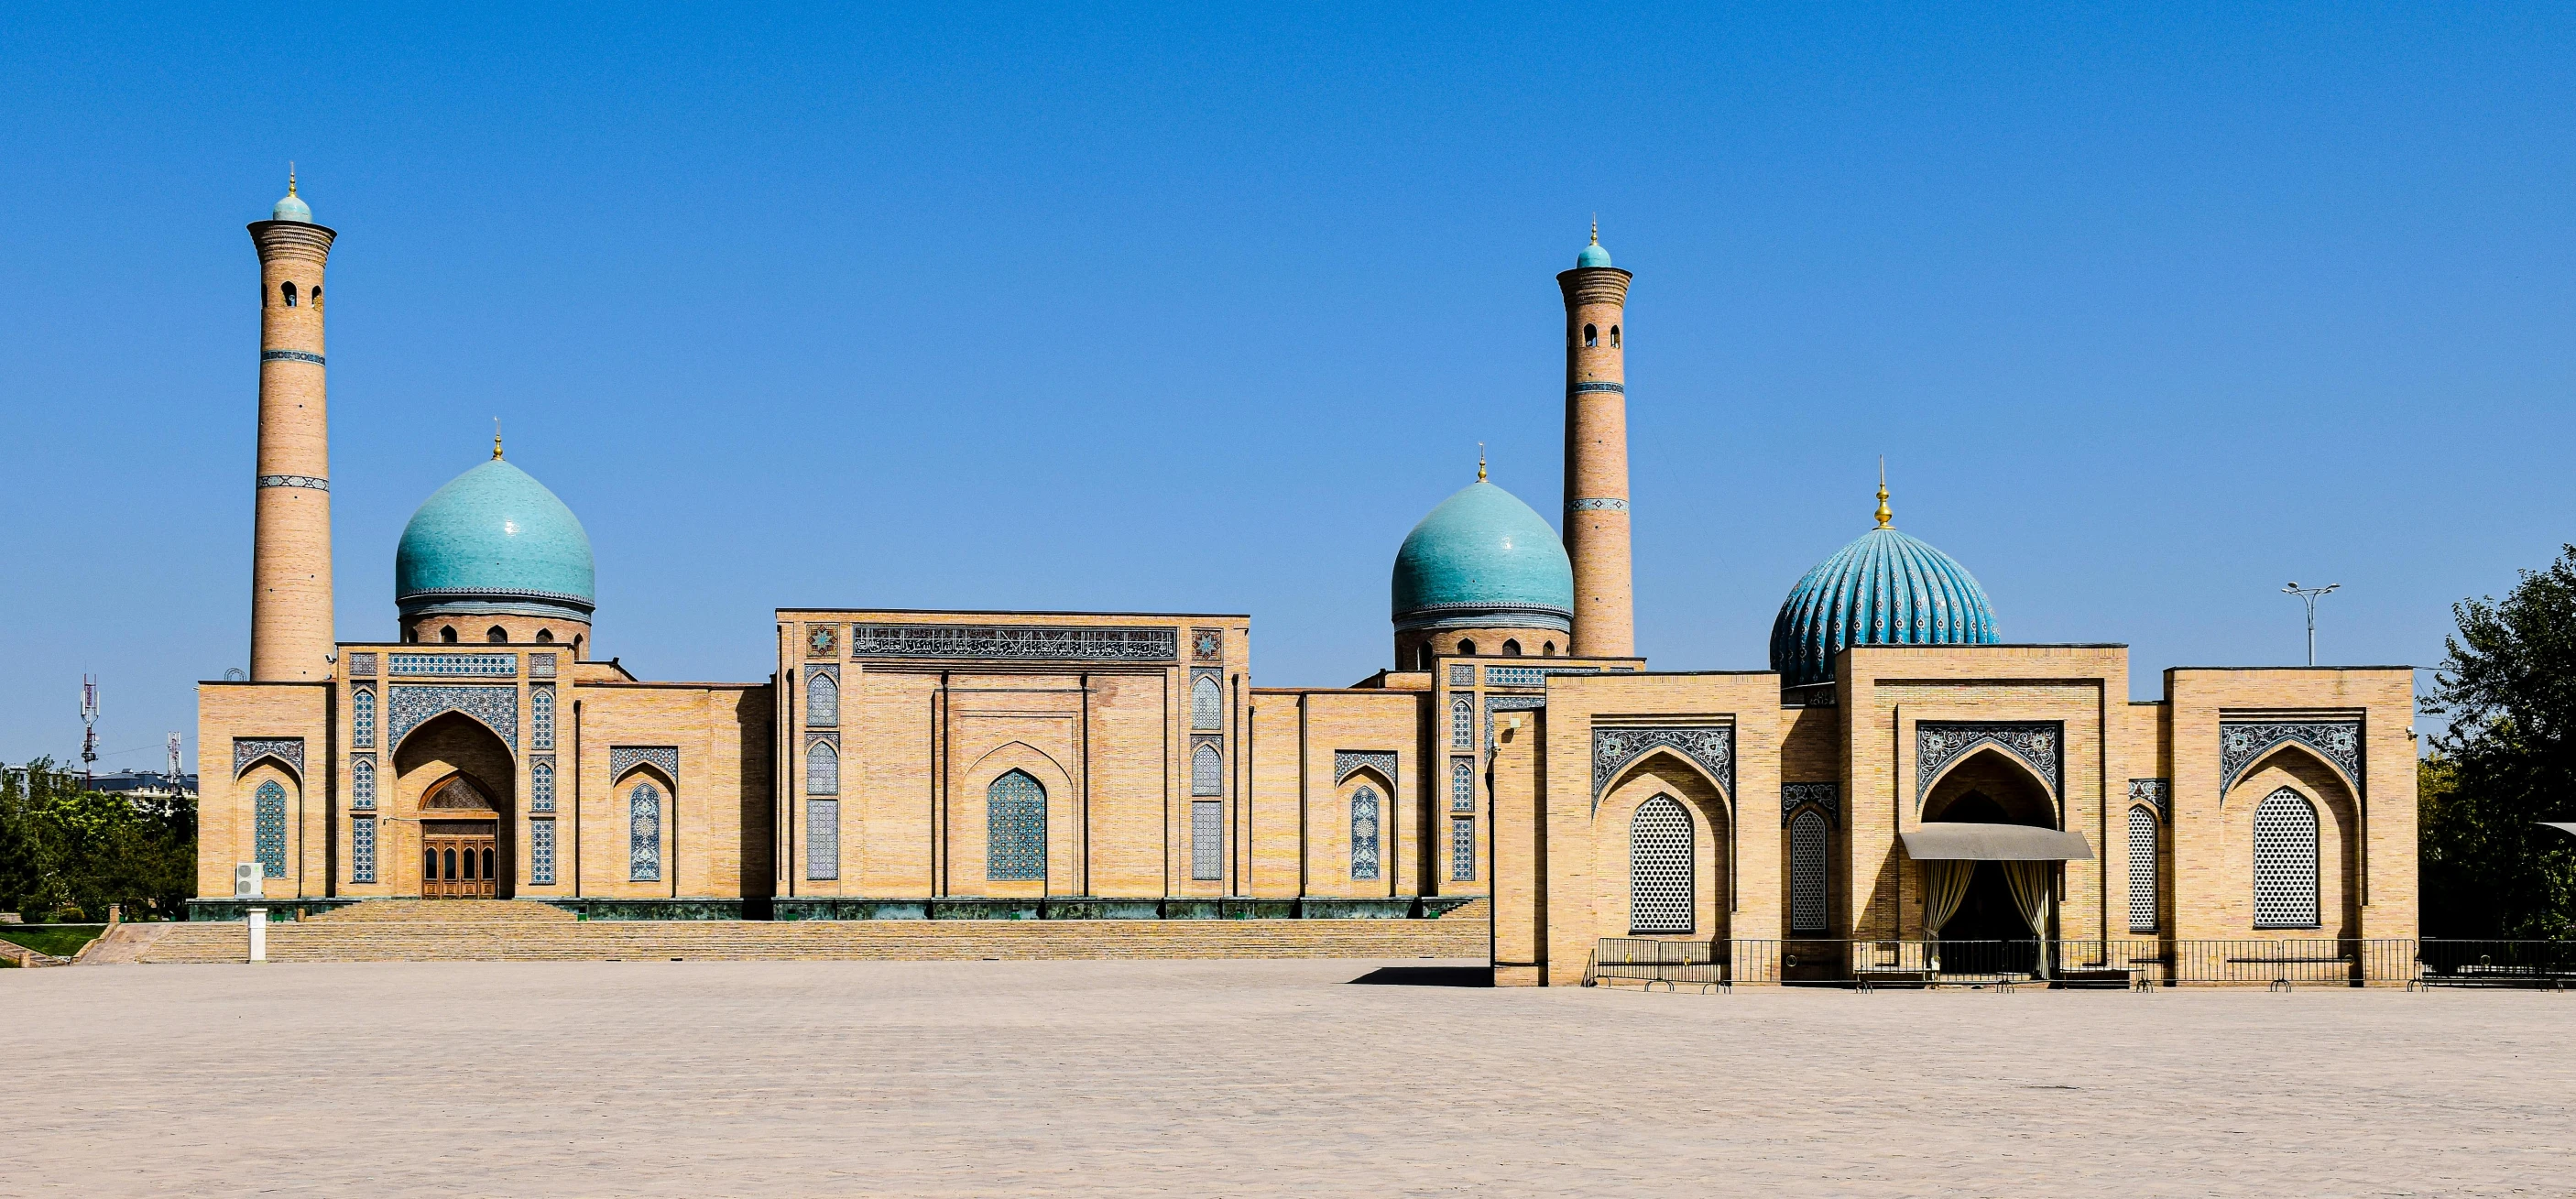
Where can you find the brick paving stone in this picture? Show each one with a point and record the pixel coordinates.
(1247, 1078)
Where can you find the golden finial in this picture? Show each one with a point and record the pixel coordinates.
(290, 176)
(1480, 462)
(496, 439)
(1596, 228)
(1884, 516)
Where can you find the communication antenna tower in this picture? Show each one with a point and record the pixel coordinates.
(174, 761)
(89, 726)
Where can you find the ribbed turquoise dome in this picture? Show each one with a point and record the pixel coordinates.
(291, 209)
(1483, 557)
(1592, 255)
(494, 538)
(1884, 589)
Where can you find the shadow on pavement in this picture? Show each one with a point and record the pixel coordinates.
(1426, 976)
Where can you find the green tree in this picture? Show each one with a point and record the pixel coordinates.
(2508, 762)
(66, 850)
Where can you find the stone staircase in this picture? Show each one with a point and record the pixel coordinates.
(527, 931)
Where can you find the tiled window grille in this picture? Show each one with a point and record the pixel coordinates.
(1207, 702)
(1659, 867)
(362, 666)
(488, 665)
(541, 853)
(1207, 770)
(1462, 849)
(822, 769)
(1207, 840)
(644, 834)
(362, 783)
(822, 698)
(362, 850)
(1462, 722)
(541, 785)
(1015, 847)
(362, 717)
(1530, 676)
(2142, 870)
(1462, 785)
(2285, 861)
(822, 839)
(1462, 675)
(1807, 873)
(1364, 833)
(268, 829)
(541, 666)
(541, 717)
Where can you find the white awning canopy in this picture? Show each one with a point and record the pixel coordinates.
(2564, 828)
(1961, 841)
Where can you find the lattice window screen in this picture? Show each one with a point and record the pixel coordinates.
(822, 701)
(362, 783)
(1014, 829)
(1807, 874)
(1364, 833)
(822, 769)
(362, 714)
(1207, 703)
(1462, 722)
(268, 829)
(541, 718)
(644, 834)
(1207, 770)
(541, 785)
(1207, 840)
(362, 850)
(541, 853)
(2142, 870)
(1462, 849)
(2285, 861)
(822, 839)
(1659, 868)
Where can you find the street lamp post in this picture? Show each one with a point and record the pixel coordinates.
(2310, 594)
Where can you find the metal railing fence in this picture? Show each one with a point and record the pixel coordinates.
(2141, 962)
(2445, 962)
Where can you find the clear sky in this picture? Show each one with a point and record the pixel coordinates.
(2151, 309)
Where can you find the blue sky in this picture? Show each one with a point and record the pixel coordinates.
(2151, 308)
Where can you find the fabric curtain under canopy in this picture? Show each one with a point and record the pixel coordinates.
(1962, 841)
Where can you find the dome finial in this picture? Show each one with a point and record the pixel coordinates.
(1596, 217)
(496, 439)
(1480, 462)
(290, 176)
(1884, 516)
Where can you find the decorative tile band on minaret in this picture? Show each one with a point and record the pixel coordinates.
(1596, 454)
(290, 599)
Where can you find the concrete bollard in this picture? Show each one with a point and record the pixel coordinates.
(259, 934)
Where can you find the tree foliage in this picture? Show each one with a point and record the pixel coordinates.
(68, 852)
(2508, 685)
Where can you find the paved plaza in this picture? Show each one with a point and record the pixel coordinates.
(1247, 1078)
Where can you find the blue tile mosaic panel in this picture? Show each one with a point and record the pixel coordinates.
(268, 829)
(362, 717)
(1207, 701)
(1364, 826)
(1462, 849)
(1462, 785)
(541, 717)
(541, 784)
(1462, 722)
(822, 839)
(1207, 840)
(541, 853)
(822, 769)
(644, 834)
(1207, 768)
(362, 782)
(362, 850)
(822, 697)
(1015, 829)
(482, 665)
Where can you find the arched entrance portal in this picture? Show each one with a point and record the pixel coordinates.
(1989, 915)
(454, 776)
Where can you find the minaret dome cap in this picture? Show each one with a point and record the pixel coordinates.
(292, 207)
(1593, 255)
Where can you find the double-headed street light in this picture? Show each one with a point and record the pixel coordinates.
(2310, 594)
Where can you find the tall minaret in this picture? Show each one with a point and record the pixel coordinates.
(1596, 454)
(290, 572)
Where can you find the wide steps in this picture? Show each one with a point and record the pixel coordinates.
(324, 940)
(446, 911)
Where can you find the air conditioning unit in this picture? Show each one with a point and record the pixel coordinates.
(248, 878)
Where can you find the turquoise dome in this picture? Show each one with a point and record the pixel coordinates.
(1592, 255)
(291, 209)
(493, 540)
(1884, 589)
(1483, 558)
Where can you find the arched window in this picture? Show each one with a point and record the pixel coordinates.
(469, 866)
(1207, 704)
(1015, 822)
(1364, 833)
(317, 295)
(545, 636)
(2285, 861)
(362, 714)
(822, 769)
(362, 850)
(497, 635)
(1614, 337)
(644, 833)
(411, 636)
(362, 783)
(822, 701)
(1207, 770)
(576, 646)
(1462, 722)
(541, 785)
(451, 864)
(287, 290)
(1548, 650)
(268, 828)
(447, 634)
(1467, 647)
(1659, 867)
(1591, 336)
(2142, 870)
(487, 865)
(1511, 648)
(1807, 873)
(541, 717)
(1422, 657)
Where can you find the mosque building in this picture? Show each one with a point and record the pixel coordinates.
(1901, 773)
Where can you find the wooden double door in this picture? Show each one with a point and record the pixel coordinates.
(459, 859)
